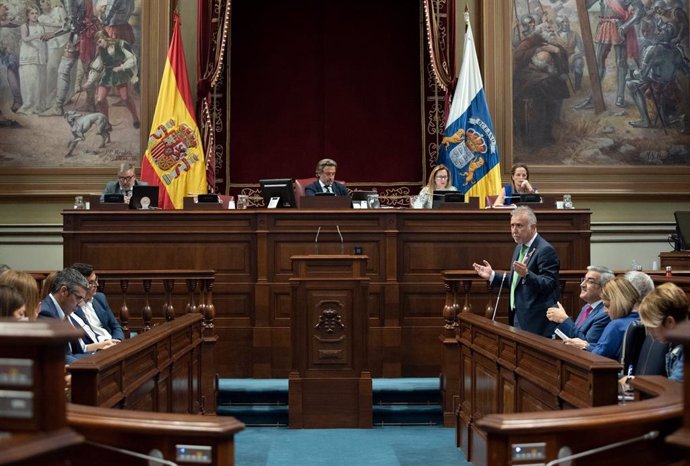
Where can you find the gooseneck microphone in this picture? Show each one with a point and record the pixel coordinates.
(135, 454)
(651, 435)
(342, 245)
(316, 240)
(498, 298)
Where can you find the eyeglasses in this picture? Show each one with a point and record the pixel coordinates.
(589, 281)
(441, 177)
(93, 284)
(126, 179)
(79, 297)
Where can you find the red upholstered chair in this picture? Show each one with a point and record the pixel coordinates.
(302, 183)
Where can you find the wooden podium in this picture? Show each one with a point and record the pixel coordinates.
(329, 384)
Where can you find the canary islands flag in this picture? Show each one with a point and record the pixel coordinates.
(174, 158)
(469, 148)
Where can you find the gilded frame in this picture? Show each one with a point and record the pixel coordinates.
(598, 181)
(58, 183)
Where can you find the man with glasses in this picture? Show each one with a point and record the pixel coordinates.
(592, 319)
(96, 309)
(68, 292)
(126, 180)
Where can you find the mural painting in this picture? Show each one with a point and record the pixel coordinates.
(640, 48)
(69, 83)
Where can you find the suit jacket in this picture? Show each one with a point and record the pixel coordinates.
(106, 316)
(538, 290)
(611, 341)
(73, 350)
(315, 187)
(113, 187)
(591, 328)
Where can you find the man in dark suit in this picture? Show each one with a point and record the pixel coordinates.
(69, 290)
(96, 308)
(592, 319)
(533, 280)
(325, 172)
(126, 180)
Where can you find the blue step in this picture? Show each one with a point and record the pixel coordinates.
(257, 415)
(264, 402)
(414, 390)
(407, 415)
(252, 391)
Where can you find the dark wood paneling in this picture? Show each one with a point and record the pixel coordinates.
(250, 251)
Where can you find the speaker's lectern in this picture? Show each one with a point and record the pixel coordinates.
(329, 385)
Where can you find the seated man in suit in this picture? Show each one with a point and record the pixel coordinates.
(126, 180)
(592, 319)
(68, 292)
(96, 308)
(325, 183)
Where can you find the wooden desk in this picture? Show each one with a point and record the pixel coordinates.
(250, 252)
(504, 370)
(678, 260)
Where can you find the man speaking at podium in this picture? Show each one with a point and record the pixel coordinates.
(325, 183)
(533, 278)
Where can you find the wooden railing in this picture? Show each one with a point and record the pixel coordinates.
(561, 433)
(143, 432)
(134, 295)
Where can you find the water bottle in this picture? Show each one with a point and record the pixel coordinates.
(634, 265)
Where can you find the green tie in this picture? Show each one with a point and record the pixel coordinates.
(516, 277)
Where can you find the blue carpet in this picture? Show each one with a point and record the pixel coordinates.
(381, 446)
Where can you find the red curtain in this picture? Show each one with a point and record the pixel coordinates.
(313, 78)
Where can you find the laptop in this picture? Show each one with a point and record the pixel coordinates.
(144, 197)
(325, 202)
(443, 197)
(531, 198)
(112, 198)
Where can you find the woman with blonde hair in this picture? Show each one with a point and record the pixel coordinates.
(26, 285)
(619, 297)
(439, 179)
(662, 310)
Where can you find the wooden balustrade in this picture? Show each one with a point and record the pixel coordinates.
(137, 290)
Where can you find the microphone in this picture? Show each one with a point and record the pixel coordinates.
(136, 454)
(500, 288)
(342, 246)
(651, 435)
(316, 240)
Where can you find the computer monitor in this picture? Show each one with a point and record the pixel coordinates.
(682, 230)
(528, 198)
(144, 197)
(278, 193)
(442, 196)
(113, 198)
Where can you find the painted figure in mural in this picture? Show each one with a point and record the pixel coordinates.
(526, 28)
(541, 69)
(572, 43)
(114, 15)
(115, 66)
(656, 80)
(616, 30)
(80, 49)
(10, 60)
(33, 56)
(671, 19)
(52, 18)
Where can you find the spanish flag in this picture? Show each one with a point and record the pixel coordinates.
(174, 158)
